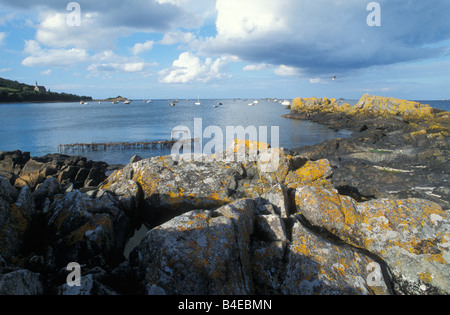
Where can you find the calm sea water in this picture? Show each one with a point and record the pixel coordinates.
(40, 128)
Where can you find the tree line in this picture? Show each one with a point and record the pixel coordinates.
(13, 91)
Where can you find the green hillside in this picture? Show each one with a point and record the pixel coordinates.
(13, 91)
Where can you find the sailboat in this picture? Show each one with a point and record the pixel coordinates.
(198, 101)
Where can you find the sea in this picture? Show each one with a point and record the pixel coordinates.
(40, 128)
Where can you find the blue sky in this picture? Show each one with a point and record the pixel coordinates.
(229, 48)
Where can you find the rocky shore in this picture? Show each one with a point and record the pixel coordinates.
(364, 215)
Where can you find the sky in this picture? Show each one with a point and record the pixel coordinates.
(157, 49)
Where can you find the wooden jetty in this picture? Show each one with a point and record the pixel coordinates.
(165, 144)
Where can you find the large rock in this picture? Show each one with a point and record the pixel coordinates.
(411, 236)
(12, 162)
(200, 252)
(7, 192)
(368, 105)
(319, 266)
(85, 229)
(170, 188)
(16, 220)
(21, 282)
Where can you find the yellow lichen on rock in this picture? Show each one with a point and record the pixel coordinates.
(391, 229)
(239, 144)
(383, 106)
(312, 171)
(368, 105)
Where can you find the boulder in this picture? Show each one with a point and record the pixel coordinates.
(7, 192)
(319, 266)
(31, 174)
(216, 245)
(21, 282)
(13, 161)
(87, 228)
(15, 222)
(411, 236)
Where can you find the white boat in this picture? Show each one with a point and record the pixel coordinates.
(255, 102)
(251, 104)
(198, 101)
(172, 103)
(127, 102)
(84, 103)
(285, 103)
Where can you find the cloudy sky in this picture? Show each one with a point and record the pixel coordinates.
(228, 48)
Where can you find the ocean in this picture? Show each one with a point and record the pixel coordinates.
(40, 128)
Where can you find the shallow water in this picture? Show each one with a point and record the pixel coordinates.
(40, 128)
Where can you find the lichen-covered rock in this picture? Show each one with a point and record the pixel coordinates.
(368, 105)
(318, 266)
(87, 227)
(200, 252)
(15, 221)
(170, 188)
(21, 282)
(7, 192)
(376, 105)
(411, 236)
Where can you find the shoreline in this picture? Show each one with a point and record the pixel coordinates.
(309, 221)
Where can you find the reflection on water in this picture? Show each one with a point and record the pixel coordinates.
(41, 128)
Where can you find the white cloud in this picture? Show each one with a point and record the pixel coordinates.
(2, 37)
(325, 37)
(108, 61)
(172, 38)
(190, 68)
(315, 80)
(47, 72)
(52, 57)
(287, 71)
(129, 67)
(142, 47)
(53, 31)
(239, 19)
(259, 67)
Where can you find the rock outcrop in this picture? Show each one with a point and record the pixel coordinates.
(398, 149)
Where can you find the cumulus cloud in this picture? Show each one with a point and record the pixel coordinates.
(102, 22)
(327, 36)
(287, 71)
(108, 61)
(258, 67)
(52, 57)
(190, 68)
(172, 38)
(142, 47)
(118, 67)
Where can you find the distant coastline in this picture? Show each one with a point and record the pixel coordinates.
(16, 92)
